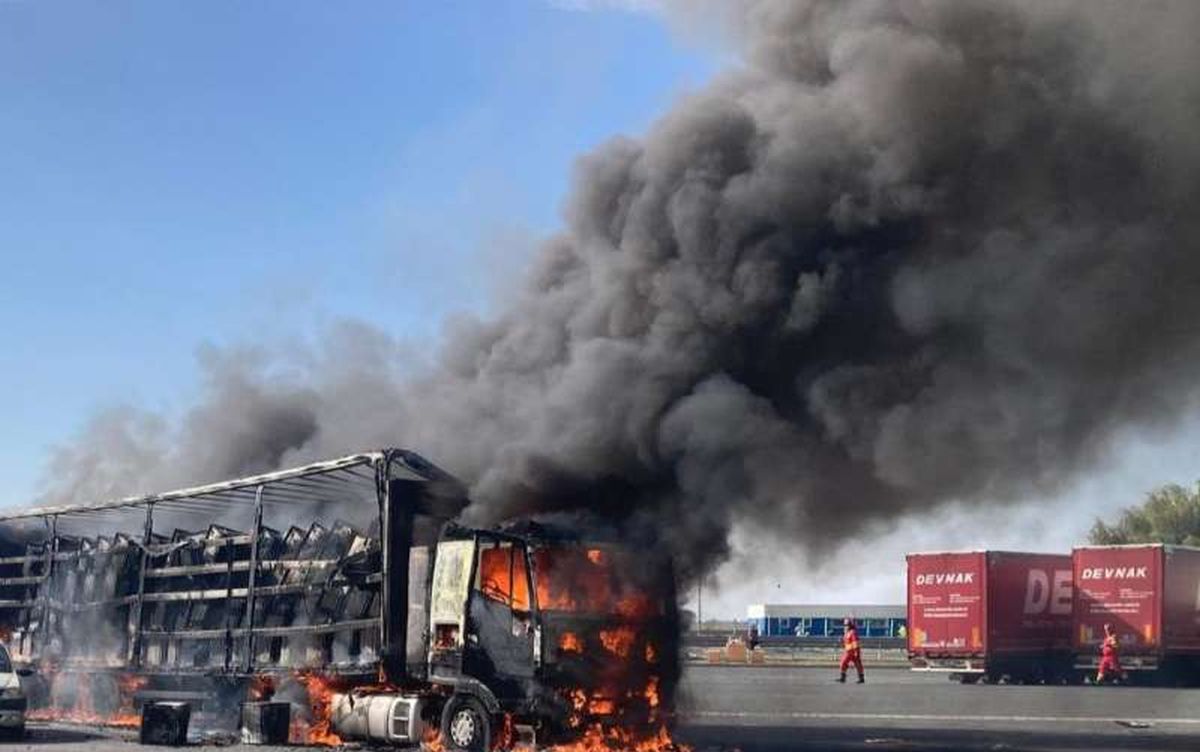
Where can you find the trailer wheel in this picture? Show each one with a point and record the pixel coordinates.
(15, 733)
(466, 725)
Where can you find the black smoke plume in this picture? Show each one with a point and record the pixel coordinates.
(903, 253)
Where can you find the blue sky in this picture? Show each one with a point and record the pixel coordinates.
(174, 174)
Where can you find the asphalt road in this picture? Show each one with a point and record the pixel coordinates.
(773, 709)
(776, 709)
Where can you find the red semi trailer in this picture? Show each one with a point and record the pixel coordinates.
(1151, 596)
(993, 615)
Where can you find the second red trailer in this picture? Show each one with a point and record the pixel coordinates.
(1150, 595)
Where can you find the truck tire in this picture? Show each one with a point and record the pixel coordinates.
(466, 725)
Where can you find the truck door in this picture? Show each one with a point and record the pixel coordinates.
(449, 591)
(500, 630)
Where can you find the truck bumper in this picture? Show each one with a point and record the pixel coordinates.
(948, 665)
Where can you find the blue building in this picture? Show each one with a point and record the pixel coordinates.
(826, 621)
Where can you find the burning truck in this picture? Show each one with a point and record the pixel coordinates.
(348, 587)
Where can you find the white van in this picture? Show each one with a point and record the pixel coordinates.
(12, 697)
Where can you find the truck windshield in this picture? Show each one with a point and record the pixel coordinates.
(589, 580)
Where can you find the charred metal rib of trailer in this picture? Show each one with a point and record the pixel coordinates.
(201, 580)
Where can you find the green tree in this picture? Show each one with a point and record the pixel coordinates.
(1170, 514)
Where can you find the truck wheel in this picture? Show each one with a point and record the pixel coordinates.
(466, 725)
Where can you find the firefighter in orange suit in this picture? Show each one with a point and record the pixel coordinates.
(1110, 662)
(851, 652)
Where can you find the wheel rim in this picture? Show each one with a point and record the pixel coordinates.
(464, 728)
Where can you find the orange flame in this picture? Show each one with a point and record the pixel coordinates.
(262, 687)
(431, 741)
(651, 693)
(597, 738)
(506, 735)
(570, 643)
(85, 717)
(319, 730)
(573, 580)
(82, 708)
(129, 685)
(502, 576)
(602, 706)
(618, 641)
(615, 711)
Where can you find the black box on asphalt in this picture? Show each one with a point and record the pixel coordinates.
(266, 722)
(165, 723)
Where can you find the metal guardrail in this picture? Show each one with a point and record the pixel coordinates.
(718, 639)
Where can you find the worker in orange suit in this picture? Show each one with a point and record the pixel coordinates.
(851, 652)
(1110, 662)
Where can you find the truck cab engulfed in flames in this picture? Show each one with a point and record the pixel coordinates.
(571, 631)
(346, 589)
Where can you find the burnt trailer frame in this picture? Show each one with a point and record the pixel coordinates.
(160, 589)
(390, 595)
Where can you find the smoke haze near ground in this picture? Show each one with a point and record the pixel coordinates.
(870, 568)
(904, 254)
